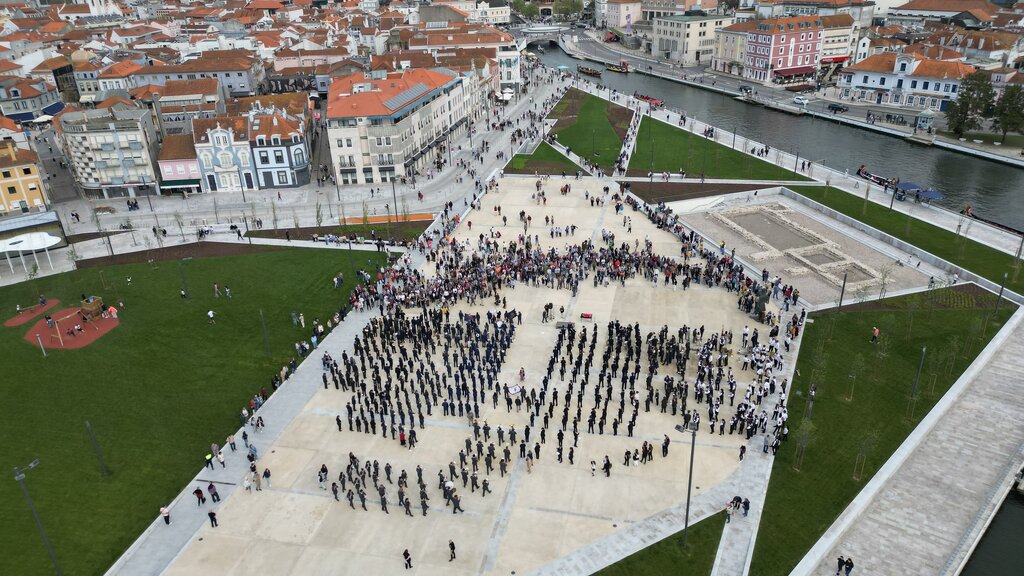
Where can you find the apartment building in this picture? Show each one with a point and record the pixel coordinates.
(458, 35)
(689, 40)
(111, 151)
(239, 74)
(384, 126)
(24, 99)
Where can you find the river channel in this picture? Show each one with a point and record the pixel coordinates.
(994, 190)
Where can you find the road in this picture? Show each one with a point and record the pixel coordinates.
(300, 203)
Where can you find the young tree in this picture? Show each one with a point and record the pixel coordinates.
(1008, 115)
(973, 103)
(567, 7)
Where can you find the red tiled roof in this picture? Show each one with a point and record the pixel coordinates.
(178, 147)
(343, 102)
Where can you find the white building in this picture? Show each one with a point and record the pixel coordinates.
(382, 127)
(224, 153)
(687, 39)
(904, 80)
(110, 151)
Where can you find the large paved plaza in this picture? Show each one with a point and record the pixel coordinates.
(531, 519)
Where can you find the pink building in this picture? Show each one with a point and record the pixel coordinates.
(179, 169)
(784, 50)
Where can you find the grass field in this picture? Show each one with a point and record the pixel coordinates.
(673, 149)
(592, 127)
(158, 390)
(544, 160)
(850, 439)
(668, 557)
(976, 257)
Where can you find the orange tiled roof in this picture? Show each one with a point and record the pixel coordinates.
(122, 69)
(380, 97)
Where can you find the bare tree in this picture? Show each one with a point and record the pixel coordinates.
(884, 279)
(865, 447)
(805, 436)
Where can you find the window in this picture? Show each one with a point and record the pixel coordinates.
(207, 161)
(780, 61)
(26, 171)
(782, 51)
(954, 89)
(899, 83)
(341, 143)
(299, 157)
(278, 156)
(12, 190)
(913, 84)
(864, 80)
(224, 159)
(7, 173)
(881, 81)
(924, 86)
(282, 177)
(264, 157)
(903, 66)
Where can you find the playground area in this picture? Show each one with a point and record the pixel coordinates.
(67, 328)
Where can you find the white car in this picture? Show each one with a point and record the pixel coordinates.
(801, 100)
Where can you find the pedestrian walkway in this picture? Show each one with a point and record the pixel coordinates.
(157, 547)
(923, 511)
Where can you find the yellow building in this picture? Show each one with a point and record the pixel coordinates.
(21, 188)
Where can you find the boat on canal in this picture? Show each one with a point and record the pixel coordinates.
(622, 67)
(589, 71)
(649, 99)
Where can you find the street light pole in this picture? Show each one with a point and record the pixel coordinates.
(19, 477)
(689, 482)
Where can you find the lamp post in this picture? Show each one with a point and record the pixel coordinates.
(19, 477)
(689, 480)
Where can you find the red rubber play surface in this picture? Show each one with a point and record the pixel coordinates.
(66, 319)
(27, 314)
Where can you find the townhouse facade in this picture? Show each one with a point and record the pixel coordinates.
(21, 188)
(784, 50)
(224, 153)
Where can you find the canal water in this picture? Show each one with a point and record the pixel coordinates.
(1000, 553)
(994, 190)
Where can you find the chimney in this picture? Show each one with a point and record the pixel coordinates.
(275, 120)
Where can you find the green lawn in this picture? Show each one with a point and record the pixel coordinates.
(544, 160)
(158, 390)
(978, 258)
(674, 148)
(594, 135)
(668, 557)
(837, 356)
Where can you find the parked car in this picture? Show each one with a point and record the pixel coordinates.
(800, 100)
(746, 89)
(836, 108)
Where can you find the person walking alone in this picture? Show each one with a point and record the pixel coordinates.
(408, 559)
(451, 547)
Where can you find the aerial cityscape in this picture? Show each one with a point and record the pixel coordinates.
(617, 287)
